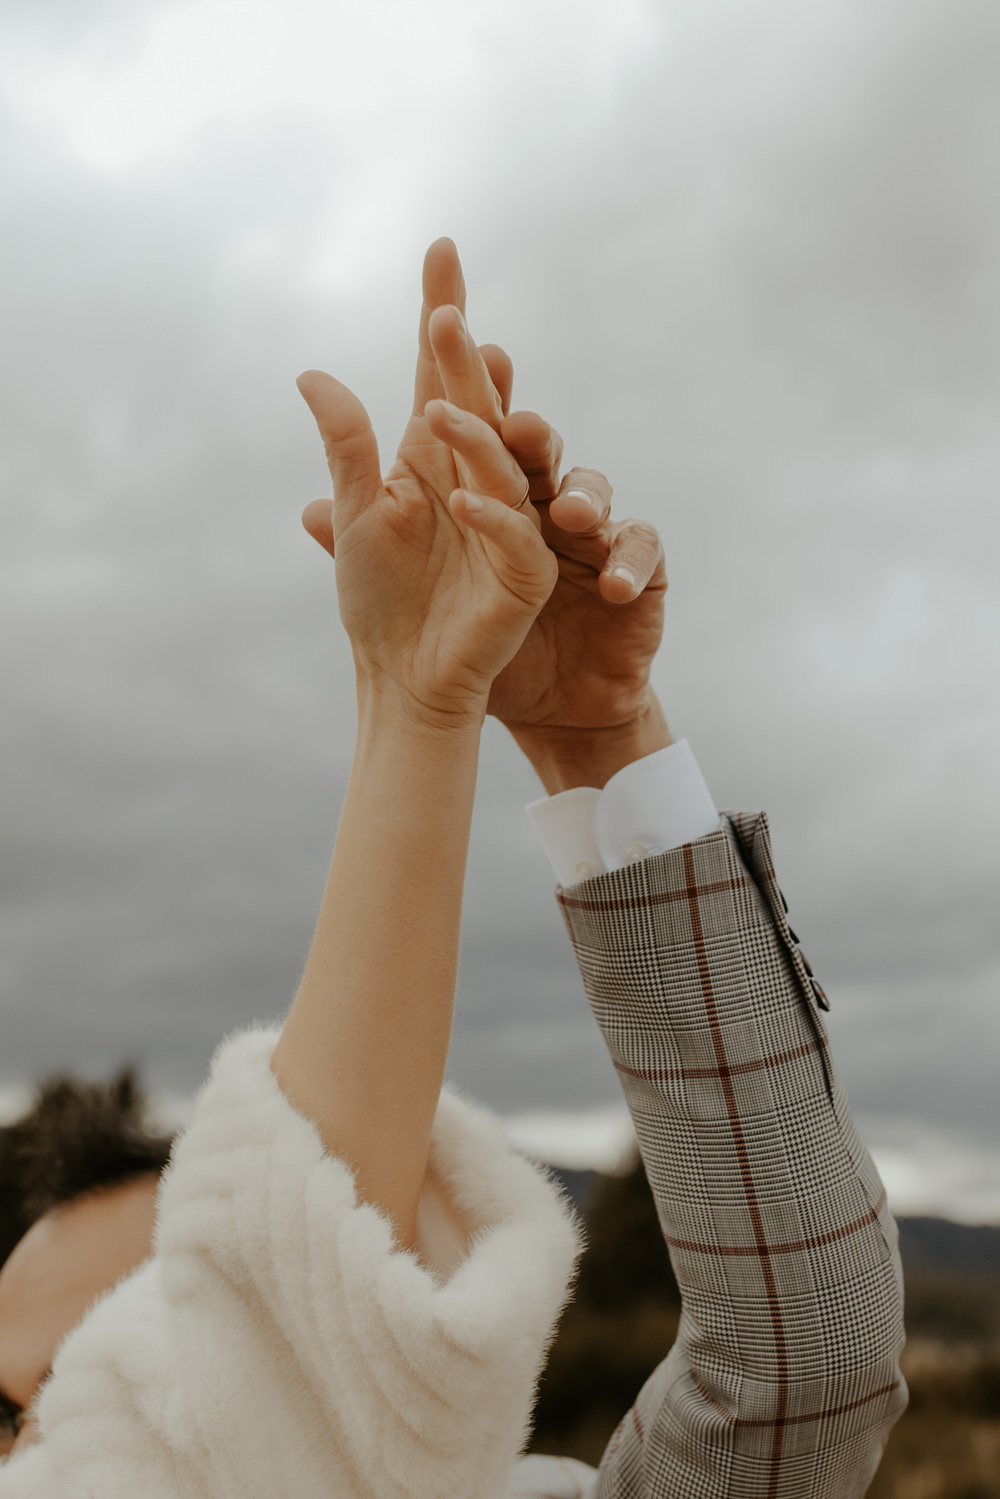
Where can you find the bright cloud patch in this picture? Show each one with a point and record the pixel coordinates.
(367, 63)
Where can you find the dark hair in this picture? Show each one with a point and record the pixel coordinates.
(76, 1139)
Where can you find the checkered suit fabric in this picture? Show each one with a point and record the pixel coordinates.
(784, 1380)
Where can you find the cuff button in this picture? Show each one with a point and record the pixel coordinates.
(635, 851)
(583, 871)
(820, 994)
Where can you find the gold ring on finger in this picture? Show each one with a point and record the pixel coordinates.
(525, 497)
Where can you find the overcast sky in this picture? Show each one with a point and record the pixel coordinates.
(745, 254)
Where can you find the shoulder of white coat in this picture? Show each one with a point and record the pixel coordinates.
(447, 1364)
(247, 1144)
(241, 1109)
(101, 1412)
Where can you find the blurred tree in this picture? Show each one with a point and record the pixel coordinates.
(626, 1263)
(620, 1324)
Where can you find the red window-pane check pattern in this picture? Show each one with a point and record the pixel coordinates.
(784, 1379)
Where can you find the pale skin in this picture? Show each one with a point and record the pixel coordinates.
(64, 1262)
(457, 604)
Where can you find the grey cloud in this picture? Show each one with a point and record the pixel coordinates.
(758, 285)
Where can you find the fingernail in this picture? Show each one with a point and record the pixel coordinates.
(627, 574)
(581, 494)
(472, 501)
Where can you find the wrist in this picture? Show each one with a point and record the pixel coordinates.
(419, 767)
(564, 758)
(390, 707)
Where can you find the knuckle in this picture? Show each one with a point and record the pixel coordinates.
(535, 454)
(639, 543)
(641, 534)
(592, 480)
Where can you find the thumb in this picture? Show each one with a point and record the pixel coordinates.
(317, 518)
(351, 448)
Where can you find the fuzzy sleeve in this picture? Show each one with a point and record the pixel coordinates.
(396, 1382)
(280, 1344)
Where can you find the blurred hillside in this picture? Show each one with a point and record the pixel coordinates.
(624, 1319)
(961, 1248)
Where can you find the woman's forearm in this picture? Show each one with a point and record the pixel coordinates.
(363, 1051)
(438, 587)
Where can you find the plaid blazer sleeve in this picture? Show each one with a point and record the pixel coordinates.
(784, 1379)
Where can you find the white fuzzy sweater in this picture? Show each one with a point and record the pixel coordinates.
(277, 1344)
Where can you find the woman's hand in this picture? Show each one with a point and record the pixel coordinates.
(439, 576)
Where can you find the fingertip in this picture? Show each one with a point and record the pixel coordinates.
(446, 320)
(440, 260)
(318, 510)
(470, 504)
(314, 386)
(442, 278)
(526, 429)
(576, 511)
(619, 585)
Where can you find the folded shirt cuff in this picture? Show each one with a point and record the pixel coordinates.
(656, 803)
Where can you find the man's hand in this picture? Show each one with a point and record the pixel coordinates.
(585, 662)
(576, 696)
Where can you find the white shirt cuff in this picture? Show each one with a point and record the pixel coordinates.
(656, 803)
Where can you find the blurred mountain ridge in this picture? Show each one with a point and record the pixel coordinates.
(938, 1244)
(926, 1244)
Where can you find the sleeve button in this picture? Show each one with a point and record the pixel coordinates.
(635, 851)
(583, 871)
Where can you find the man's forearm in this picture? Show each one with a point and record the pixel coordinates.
(784, 1378)
(568, 757)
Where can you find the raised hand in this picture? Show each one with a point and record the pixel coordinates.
(585, 662)
(577, 696)
(440, 570)
(578, 685)
(581, 677)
